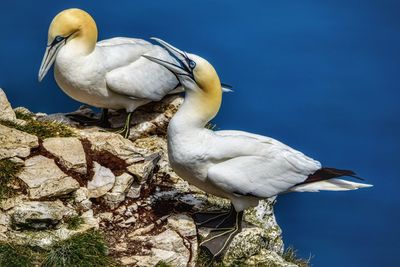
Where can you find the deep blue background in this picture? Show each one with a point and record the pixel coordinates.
(321, 76)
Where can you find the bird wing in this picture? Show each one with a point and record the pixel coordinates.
(249, 164)
(122, 41)
(142, 78)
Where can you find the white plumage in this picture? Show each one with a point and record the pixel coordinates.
(114, 75)
(110, 74)
(240, 166)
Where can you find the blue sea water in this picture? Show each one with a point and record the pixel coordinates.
(321, 76)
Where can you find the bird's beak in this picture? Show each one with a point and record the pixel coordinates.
(177, 70)
(181, 57)
(179, 54)
(48, 59)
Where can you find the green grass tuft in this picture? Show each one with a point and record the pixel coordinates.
(204, 259)
(290, 255)
(8, 174)
(42, 129)
(87, 249)
(163, 264)
(17, 256)
(23, 115)
(82, 250)
(74, 222)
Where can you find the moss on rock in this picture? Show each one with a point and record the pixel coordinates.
(42, 129)
(8, 177)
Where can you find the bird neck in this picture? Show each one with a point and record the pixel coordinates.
(83, 41)
(199, 107)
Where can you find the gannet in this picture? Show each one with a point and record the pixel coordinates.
(110, 74)
(237, 165)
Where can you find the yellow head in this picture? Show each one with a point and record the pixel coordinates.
(74, 23)
(198, 77)
(70, 26)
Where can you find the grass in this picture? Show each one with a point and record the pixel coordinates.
(8, 174)
(163, 264)
(290, 255)
(18, 256)
(87, 249)
(42, 129)
(74, 222)
(23, 115)
(204, 259)
(82, 250)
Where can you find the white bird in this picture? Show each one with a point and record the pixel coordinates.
(240, 166)
(110, 74)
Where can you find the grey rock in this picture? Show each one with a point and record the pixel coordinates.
(81, 194)
(167, 246)
(142, 170)
(119, 190)
(45, 179)
(113, 143)
(6, 111)
(70, 152)
(102, 181)
(39, 214)
(14, 143)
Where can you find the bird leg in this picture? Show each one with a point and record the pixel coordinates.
(85, 120)
(219, 239)
(216, 219)
(126, 130)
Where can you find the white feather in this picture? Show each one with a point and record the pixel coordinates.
(330, 185)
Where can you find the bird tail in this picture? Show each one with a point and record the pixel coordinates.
(329, 185)
(326, 179)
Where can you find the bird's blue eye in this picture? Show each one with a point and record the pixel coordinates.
(59, 38)
(192, 64)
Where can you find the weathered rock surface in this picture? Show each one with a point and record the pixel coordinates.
(126, 189)
(39, 214)
(45, 179)
(6, 111)
(119, 190)
(14, 143)
(70, 152)
(102, 181)
(113, 143)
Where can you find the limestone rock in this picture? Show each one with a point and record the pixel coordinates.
(156, 144)
(39, 214)
(167, 246)
(102, 181)
(4, 222)
(119, 190)
(113, 143)
(70, 152)
(6, 111)
(81, 194)
(81, 198)
(9, 203)
(142, 170)
(14, 143)
(45, 179)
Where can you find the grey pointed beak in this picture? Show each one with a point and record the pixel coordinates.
(182, 58)
(177, 70)
(48, 59)
(179, 54)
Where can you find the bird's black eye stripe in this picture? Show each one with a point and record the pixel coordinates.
(57, 40)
